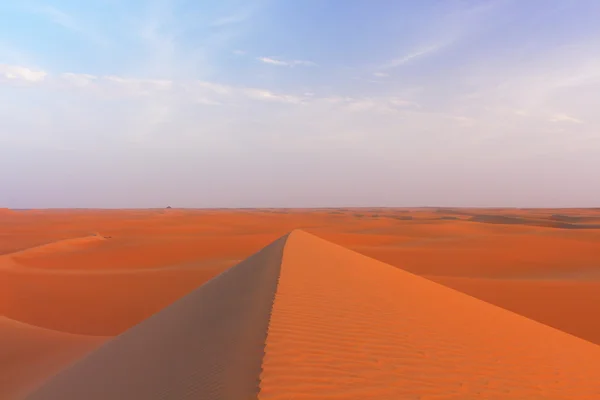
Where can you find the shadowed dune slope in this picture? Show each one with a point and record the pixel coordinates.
(209, 344)
(29, 355)
(345, 326)
(308, 319)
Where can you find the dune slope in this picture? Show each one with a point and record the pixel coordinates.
(29, 354)
(209, 344)
(568, 305)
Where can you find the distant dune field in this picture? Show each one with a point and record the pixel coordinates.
(71, 279)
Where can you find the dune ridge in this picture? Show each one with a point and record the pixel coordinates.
(63, 245)
(305, 318)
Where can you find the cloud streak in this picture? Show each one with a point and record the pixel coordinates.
(565, 118)
(19, 73)
(283, 63)
(68, 22)
(123, 86)
(230, 20)
(398, 62)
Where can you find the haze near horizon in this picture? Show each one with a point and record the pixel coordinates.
(272, 103)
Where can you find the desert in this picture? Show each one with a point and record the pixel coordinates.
(502, 290)
(299, 200)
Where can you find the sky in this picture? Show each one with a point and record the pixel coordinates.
(313, 103)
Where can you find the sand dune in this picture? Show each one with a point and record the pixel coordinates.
(307, 319)
(100, 286)
(59, 246)
(118, 253)
(346, 326)
(101, 303)
(207, 345)
(29, 355)
(103, 289)
(538, 253)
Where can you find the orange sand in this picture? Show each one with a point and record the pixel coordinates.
(307, 319)
(28, 355)
(568, 305)
(99, 272)
(207, 345)
(348, 327)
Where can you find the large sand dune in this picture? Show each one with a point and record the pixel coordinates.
(307, 319)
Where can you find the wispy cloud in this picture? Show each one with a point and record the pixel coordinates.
(183, 47)
(231, 19)
(565, 118)
(19, 73)
(79, 80)
(284, 63)
(69, 22)
(419, 53)
(156, 103)
(206, 92)
(272, 61)
(463, 121)
(267, 95)
(460, 20)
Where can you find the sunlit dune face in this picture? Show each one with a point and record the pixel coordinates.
(345, 326)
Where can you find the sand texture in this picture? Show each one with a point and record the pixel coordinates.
(29, 355)
(345, 326)
(308, 319)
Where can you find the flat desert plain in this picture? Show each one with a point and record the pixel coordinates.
(70, 280)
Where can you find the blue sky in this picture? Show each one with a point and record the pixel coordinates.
(268, 103)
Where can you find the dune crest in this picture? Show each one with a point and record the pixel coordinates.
(58, 246)
(306, 319)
